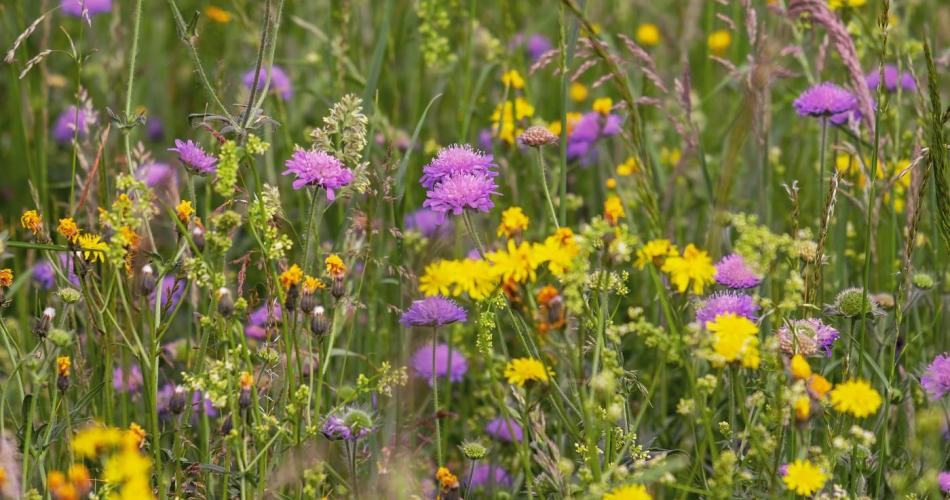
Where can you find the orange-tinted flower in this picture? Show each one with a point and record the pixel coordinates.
(6, 277)
(32, 220)
(68, 228)
(335, 266)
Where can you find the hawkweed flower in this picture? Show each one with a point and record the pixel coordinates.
(628, 492)
(92, 247)
(799, 367)
(613, 210)
(63, 367)
(32, 221)
(279, 81)
(818, 386)
(520, 371)
(856, 397)
(68, 229)
(648, 34)
(488, 475)
(93, 7)
(6, 277)
(718, 41)
(507, 430)
(893, 78)
(433, 311)
(518, 264)
(422, 363)
(138, 434)
(309, 287)
(448, 484)
(825, 100)
(655, 252)
(194, 157)
(551, 306)
(319, 323)
(735, 339)
(184, 210)
(513, 223)
(936, 378)
(806, 337)
(246, 382)
(804, 477)
(73, 121)
(733, 272)
(693, 269)
(316, 168)
(290, 281)
(336, 269)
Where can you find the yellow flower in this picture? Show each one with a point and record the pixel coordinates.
(217, 14)
(558, 250)
(578, 92)
(735, 339)
(507, 115)
(78, 475)
(6, 277)
(334, 265)
(517, 264)
(475, 277)
(246, 380)
(93, 247)
(447, 480)
(693, 267)
(819, 386)
(613, 209)
(63, 364)
(291, 277)
(802, 408)
(670, 157)
(628, 167)
(799, 367)
(837, 4)
(603, 105)
(67, 227)
(655, 252)
(610, 183)
(32, 220)
(311, 284)
(438, 278)
(513, 79)
(513, 222)
(572, 119)
(856, 397)
(628, 492)
(184, 210)
(804, 477)
(648, 34)
(719, 41)
(138, 433)
(522, 370)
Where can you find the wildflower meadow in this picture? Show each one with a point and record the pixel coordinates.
(465, 249)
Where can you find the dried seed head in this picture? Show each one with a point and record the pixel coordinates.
(537, 136)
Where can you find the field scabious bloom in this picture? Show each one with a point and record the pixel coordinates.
(693, 269)
(804, 477)
(75, 7)
(506, 430)
(433, 311)
(73, 121)
(454, 160)
(936, 378)
(734, 340)
(726, 302)
(194, 157)
(422, 363)
(825, 100)
(733, 272)
(279, 81)
(459, 178)
(893, 78)
(520, 371)
(807, 337)
(487, 475)
(316, 168)
(585, 133)
(856, 397)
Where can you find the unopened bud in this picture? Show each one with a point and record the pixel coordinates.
(225, 302)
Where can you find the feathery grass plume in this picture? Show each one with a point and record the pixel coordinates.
(344, 136)
(937, 150)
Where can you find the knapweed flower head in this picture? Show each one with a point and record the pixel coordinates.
(936, 378)
(457, 159)
(316, 168)
(433, 311)
(93, 7)
(194, 157)
(804, 477)
(691, 270)
(507, 430)
(733, 272)
(453, 369)
(855, 397)
(350, 425)
(279, 81)
(520, 371)
(655, 252)
(893, 79)
(513, 222)
(735, 339)
(73, 122)
(825, 100)
(628, 492)
(807, 337)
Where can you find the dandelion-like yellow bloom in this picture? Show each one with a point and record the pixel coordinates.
(578, 92)
(6, 277)
(628, 167)
(217, 14)
(520, 371)
(311, 284)
(184, 211)
(475, 277)
(558, 251)
(507, 115)
(93, 247)
(517, 264)
(572, 118)
(513, 79)
(799, 367)
(804, 477)
(628, 492)
(802, 408)
(819, 386)
(734, 340)
(655, 252)
(694, 268)
(63, 364)
(603, 105)
(292, 276)
(719, 41)
(138, 433)
(334, 265)
(32, 220)
(68, 228)
(513, 222)
(856, 397)
(438, 278)
(246, 380)
(648, 34)
(613, 209)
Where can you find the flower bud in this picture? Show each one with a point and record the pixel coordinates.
(42, 324)
(338, 288)
(318, 321)
(148, 279)
(177, 403)
(225, 302)
(198, 237)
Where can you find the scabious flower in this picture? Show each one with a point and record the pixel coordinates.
(506, 430)
(513, 222)
(734, 340)
(520, 371)
(429, 223)
(804, 477)
(486, 476)
(316, 168)
(45, 276)
(587, 131)
(433, 311)
(535, 44)
(172, 291)
(129, 381)
(75, 7)
(457, 159)
(856, 397)
(279, 81)
(936, 378)
(807, 337)
(156, 174)
(733, 272)
(628, 492)
(824, 100)
(352, 424)
(261, 318)
(893, 78)
(459, 178)
(422, 363)
(944, 480)
(692, 269)
(70, 121)
(194, 157)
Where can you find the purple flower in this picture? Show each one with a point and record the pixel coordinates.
(428, 222)
(316, 168)
(129, 381)
(199, 403)
(352, 425)
(486, 475)
(733, 272)
(279, 81)
(154, 129)
(45, 276)
(944, 479)
(422, 363)
(66, 124)
(587, 131)
(460, 192)
(724, 303)
(172, 290)
(262, 317)
(485, 139)
(157, 175)
(825, 99)
(810, 335)
(504, 430)
(454, 160)
(74, 7)
(194, 158)
(936, 378)
(433, 311)
(892, 79)
(535, 44)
